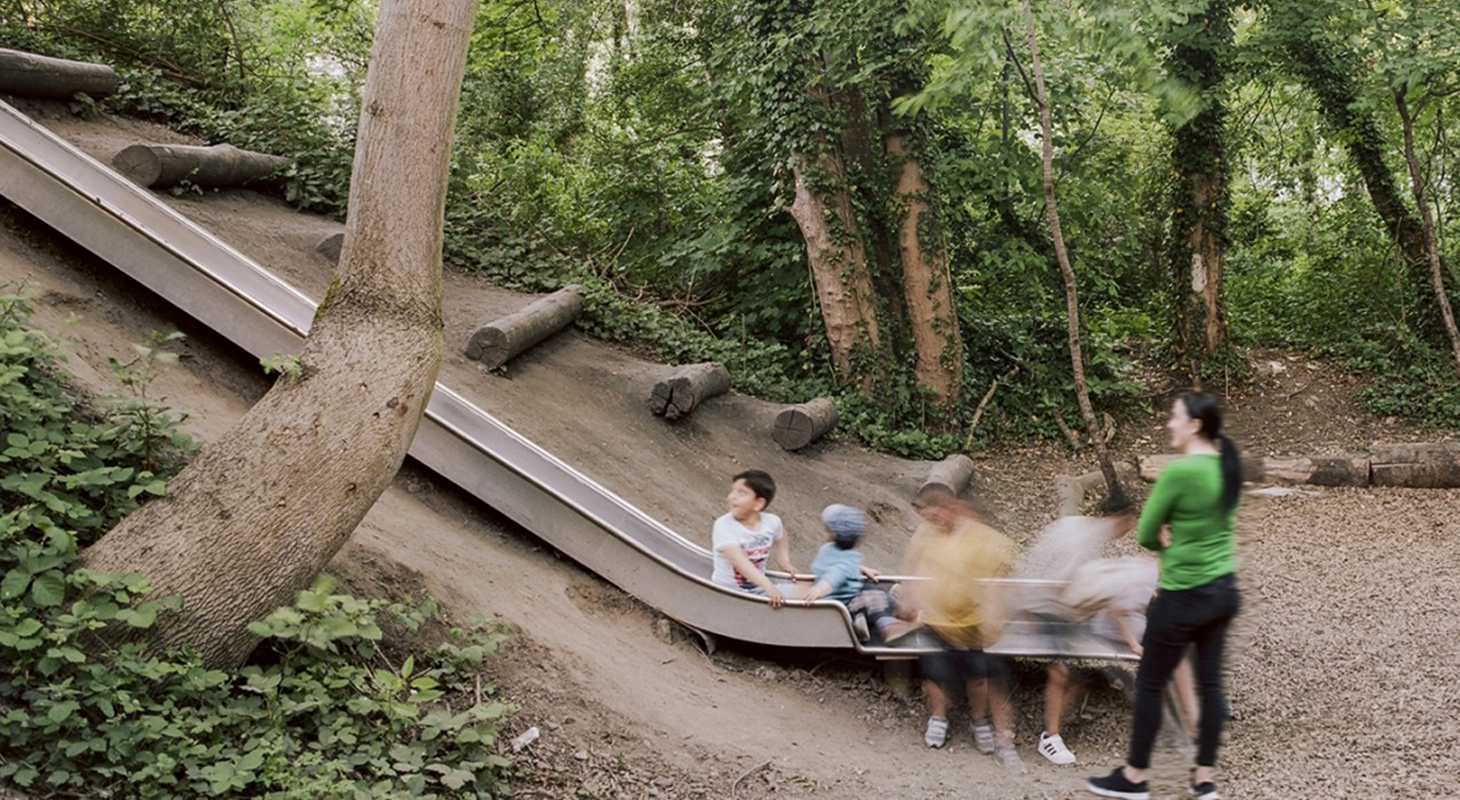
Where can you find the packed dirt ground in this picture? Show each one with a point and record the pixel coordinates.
(1338, 677)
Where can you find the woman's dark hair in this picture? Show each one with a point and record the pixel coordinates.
(1203, 408)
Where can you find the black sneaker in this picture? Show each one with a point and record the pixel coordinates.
(1203, 791)
(1115, 785)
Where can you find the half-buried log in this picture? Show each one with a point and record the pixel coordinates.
(42, 76)
(1339, 470)
(687, 387)
(330, 247)
(163, 165)
(1433, 465)
(952, 475)
(1151, 466)
(803, 424)
(497, 342)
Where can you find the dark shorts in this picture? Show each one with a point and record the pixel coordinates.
(951, 666)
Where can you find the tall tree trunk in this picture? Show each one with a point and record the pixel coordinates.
(1200, 165)
(1072, 299)
(860, 144)
(1432, 246)
(927, 284)
(1328, 70)
(838, 260)
(258, 514)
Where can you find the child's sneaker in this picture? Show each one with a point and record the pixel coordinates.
(1115, 785)
(937, 732)
(1053, 748)
(983, 736)
(859, 625)
(1202, 791)
(1006, 755)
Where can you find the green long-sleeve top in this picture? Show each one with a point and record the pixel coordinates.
(1188, 498)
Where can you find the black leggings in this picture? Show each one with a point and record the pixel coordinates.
(1199, 617)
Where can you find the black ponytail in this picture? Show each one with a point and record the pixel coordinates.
(1231, 472)
(1203, 407)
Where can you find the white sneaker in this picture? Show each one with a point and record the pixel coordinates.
(1009, 758)
(1053, 748)
(937, 732)
(983, 736)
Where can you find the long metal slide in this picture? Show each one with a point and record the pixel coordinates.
(128, 227)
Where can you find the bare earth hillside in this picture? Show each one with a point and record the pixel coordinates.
(1338, 681)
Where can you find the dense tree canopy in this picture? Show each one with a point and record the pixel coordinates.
(655, 152)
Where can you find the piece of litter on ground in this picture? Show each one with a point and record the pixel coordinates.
(528, 737)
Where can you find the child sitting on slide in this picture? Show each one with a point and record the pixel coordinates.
(746, 537)
(839, 576)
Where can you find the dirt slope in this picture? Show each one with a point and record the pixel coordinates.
(1336, 682)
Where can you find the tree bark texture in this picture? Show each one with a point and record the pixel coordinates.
(1340, 470)
(162, 165)
(952, 474)
(838, 260)
(800, 425)
(686, 388)
(927, 283)
(1072, 298)
(1200, 203)
(1432, 246)
(34, 75)
(260, 511)
(502, 340)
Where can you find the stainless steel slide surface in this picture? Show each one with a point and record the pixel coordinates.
(204, 277)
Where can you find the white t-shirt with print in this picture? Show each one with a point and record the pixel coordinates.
(756, 544)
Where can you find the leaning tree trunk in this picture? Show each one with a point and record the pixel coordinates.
(258, 514)
(1200, 165)
(1327, 67)
(838, 261)
(1072, 300)
(927, 284)
(1432, 246)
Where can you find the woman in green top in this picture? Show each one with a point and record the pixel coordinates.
(1188, 521)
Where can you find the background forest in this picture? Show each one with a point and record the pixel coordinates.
(1228, 176)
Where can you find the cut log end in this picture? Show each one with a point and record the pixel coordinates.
(803, 424)
(952, 475)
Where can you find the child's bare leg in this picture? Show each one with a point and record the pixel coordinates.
(1184, 679)
(978, 697)
(1055, 690)
(937, 699)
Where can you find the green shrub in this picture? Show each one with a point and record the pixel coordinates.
(327, 710)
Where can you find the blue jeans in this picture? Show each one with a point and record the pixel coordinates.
(1199, 616)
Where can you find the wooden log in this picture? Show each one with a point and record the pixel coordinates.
(330, 247)
(1150, 466)
(1073, 489)
(163, 165)
(497, 342)
(42, 76)
(687, 387)
(1424, 465)
(1339, 470)
(803, 424)
(952, 475)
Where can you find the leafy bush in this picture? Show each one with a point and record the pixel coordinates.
(331, 712)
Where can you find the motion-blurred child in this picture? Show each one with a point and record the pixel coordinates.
(840, 576)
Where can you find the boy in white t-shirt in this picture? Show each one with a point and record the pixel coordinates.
(747, 537)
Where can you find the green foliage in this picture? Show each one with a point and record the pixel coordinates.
(84, 712)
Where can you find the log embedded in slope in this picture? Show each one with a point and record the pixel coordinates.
(499, 341)
(952, 475)
(686, 388)
(163, 165)
(803, 424)
(33, 75)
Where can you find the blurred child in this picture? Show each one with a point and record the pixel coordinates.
(747, 536)
(839, 576)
